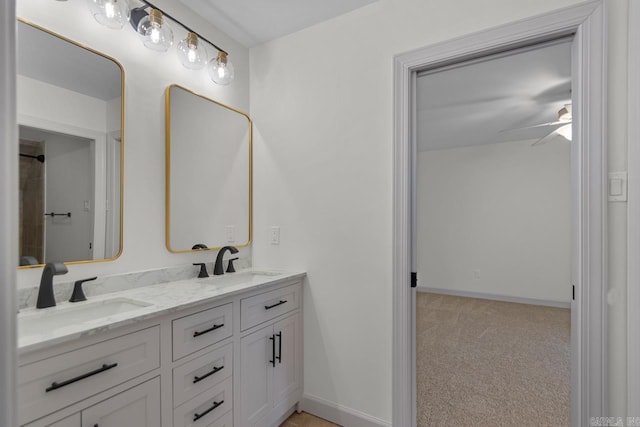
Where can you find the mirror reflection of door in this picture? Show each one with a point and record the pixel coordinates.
(61, 184)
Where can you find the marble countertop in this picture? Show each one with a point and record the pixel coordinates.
(42, 328)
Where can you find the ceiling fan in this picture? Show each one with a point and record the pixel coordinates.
(561, 127)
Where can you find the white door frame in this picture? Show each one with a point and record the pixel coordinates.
(588, 22)
(633, 215)
(8, 214)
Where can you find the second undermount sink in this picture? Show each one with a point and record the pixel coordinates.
(35, 322)
(241, 277)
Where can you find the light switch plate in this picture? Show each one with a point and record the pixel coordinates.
(617, 188)
(275, 235)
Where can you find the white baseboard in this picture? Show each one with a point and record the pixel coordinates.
(339, 414)
(495, 297)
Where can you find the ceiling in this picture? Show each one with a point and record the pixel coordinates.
(52, 60)
(482, 102)
(253, 22)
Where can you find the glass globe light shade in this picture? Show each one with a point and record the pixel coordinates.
(155, 33)
(110, 13)
(191, 54)
(221, 70)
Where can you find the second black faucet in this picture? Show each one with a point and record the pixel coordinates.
(218, 269)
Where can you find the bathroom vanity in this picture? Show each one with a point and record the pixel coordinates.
(218, 351)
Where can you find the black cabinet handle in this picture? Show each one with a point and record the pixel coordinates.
(56, 385)
(196, 417)
(269, 307)
(279, 334)
(208, 374)
(211, 329)
(273, 350)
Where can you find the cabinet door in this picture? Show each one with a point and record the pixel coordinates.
(136, 407)
(256, 370)
(286, 375)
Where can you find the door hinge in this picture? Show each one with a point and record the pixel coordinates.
(414, 279)
(573, 290)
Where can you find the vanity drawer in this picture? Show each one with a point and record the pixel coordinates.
(58, 381)
(201, 374)
(206, 409)
(197, 331)
(260, 308)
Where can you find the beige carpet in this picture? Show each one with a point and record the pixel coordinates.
(490, 363)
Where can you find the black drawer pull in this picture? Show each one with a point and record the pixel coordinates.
(208, 374)
(196, 417)
(211, 329)
(56, 385)
(269, 307)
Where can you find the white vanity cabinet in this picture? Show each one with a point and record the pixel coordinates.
(230, 360)
(271, 355)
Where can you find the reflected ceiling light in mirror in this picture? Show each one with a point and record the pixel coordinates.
(110, 13)
(192, 55)
(221, 70)
(156, 34)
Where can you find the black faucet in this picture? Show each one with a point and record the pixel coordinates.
(218, 269)
(45, 292)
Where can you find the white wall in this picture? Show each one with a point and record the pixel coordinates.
(49, 103)
(495, 219)
(147, 74)
(321, 101)
(68, 185)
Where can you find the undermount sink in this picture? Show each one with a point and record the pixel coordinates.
(35, 322)
(228, 279)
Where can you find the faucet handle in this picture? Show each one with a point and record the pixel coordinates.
(203, 269)
(199, 246)
(78, 294)
(230, 268)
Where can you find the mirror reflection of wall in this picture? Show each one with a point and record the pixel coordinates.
(209, 172)
(69, 112)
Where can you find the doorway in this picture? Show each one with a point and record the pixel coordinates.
(493, 239)
(586, 22)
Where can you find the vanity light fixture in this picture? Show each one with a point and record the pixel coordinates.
(110, 13)
(151, 25)
(192, 55)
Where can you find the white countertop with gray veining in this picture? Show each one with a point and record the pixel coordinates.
(42, 328)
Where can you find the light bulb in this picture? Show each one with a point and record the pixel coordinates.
(110, 13)
(155, 33)
(191, 54)
(221, 70)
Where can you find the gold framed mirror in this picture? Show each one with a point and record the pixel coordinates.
(70, 101)
(209, 172)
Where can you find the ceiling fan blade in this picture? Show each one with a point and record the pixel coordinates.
(546, 138)
(557, 123)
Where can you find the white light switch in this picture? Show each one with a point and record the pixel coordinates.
(275, 235)
(617, 186)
